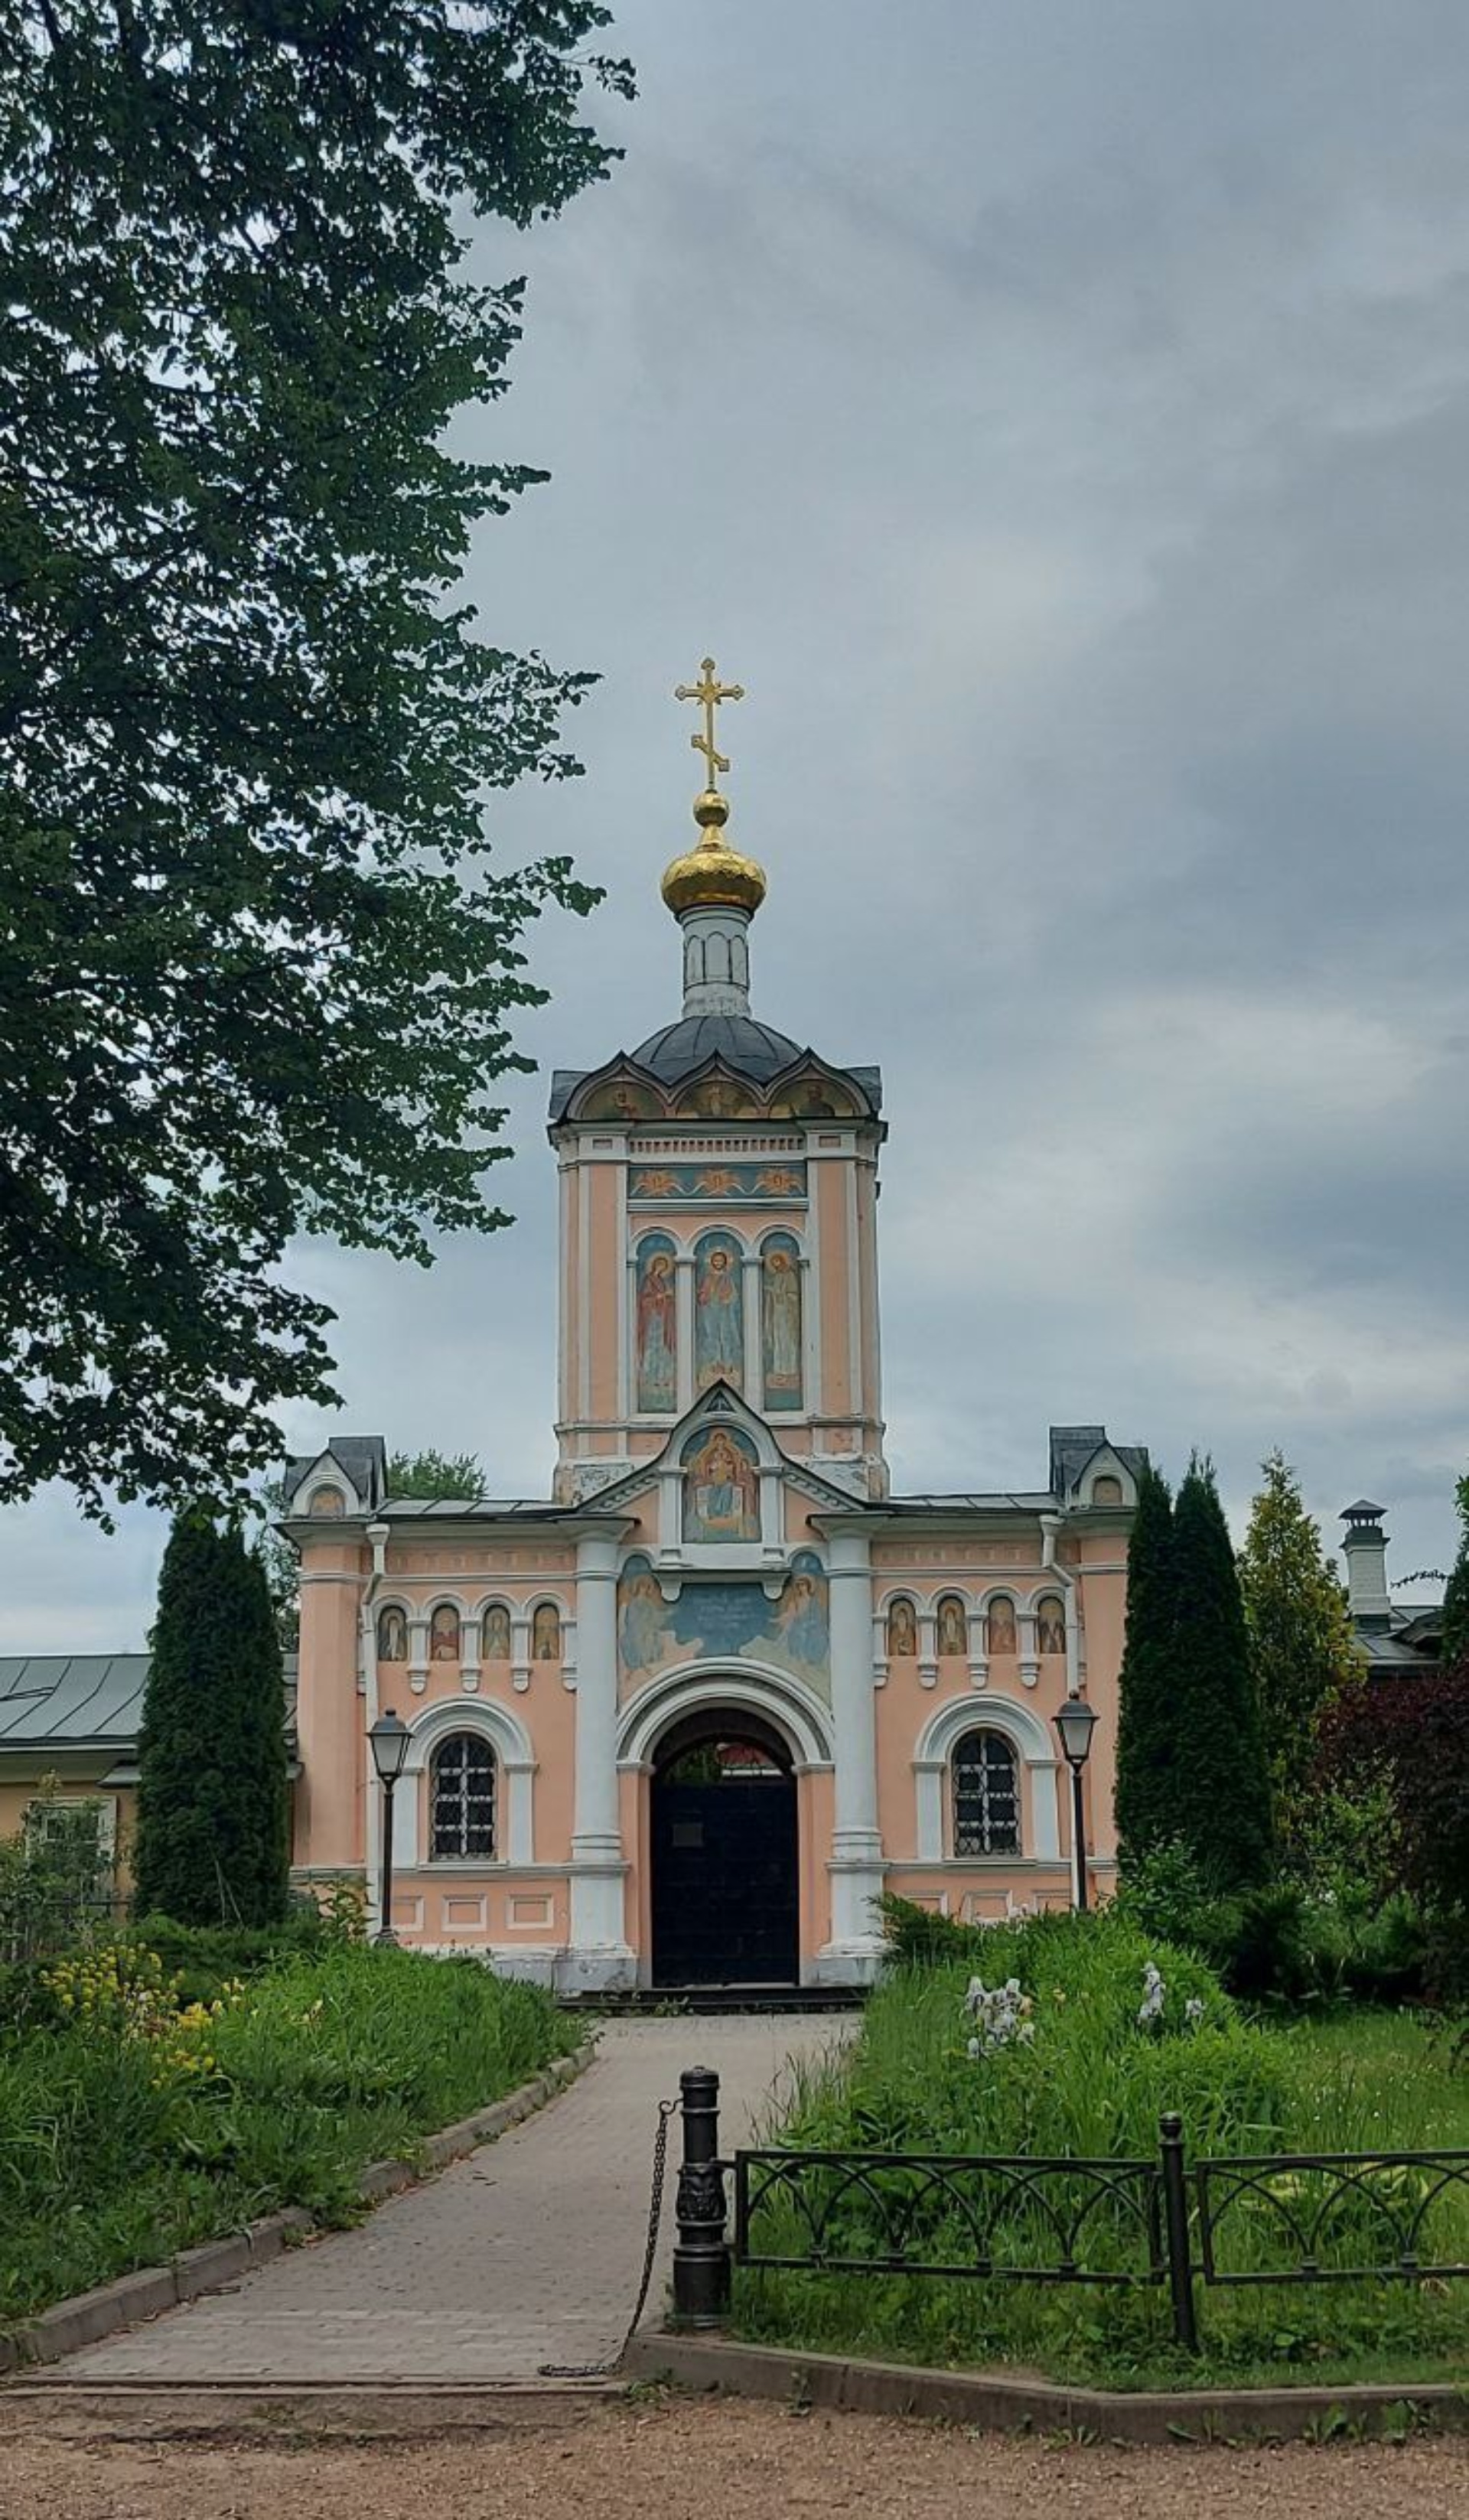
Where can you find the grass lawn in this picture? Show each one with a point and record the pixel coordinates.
(130, 2129)
(1079, 2075)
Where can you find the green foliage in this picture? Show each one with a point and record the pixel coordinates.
(1456, 1590)
(1343, 1942)
(115, 2157)
(1410, 1734)
(1303, 1648)
(1220, 1785)
(57, 1878)
(1147, 1742)
(1091, 2081)
(212, 1813)
(436, 1474)
(205, 1958)
(258, 975)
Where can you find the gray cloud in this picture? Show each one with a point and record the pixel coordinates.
(1056, 417)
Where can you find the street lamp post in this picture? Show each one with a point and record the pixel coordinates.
(1076, 1723)
(388, 1739)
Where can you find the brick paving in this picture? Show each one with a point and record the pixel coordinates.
(528, 2252)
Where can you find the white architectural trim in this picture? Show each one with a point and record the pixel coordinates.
(752, 1688)
(511, 1744)
(1023, 1728)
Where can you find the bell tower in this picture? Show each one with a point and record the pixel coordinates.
(718, 1203)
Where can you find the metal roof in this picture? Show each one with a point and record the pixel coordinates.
(70, 1701)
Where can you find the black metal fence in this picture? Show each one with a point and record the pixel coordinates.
(1163, 2221)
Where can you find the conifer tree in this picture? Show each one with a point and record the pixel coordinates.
(1302, 1650)
(1456, 1596)
(212, 1835)
(1220, 1782)
(1146, 1818)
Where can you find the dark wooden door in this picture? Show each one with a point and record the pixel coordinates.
(725, 1882)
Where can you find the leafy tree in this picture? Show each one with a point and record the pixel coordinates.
(1147, 1739)
(255, 974)
(436, 1474)
(1303, 1650)
(1220, 1787)
(1456, 1590)
(279, 1564)
(1410, 1731)
(211, 1833)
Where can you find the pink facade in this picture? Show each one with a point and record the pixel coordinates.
(689, 1718)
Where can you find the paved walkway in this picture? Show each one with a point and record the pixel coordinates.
(528, 2252)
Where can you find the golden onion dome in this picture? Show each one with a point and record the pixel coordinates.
(713, 876)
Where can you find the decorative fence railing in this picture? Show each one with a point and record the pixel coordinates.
(949, 2214)
(1259, 2218)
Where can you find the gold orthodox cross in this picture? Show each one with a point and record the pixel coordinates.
(709, 691)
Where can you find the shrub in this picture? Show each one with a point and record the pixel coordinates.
(138, 2124)
(1079, 2060)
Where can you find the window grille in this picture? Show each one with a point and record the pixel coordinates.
(464, 1797)
(986, 1796)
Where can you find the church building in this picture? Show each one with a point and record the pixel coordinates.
(685, 1720)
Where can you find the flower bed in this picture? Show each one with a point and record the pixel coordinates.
(134, 2123)
(1069, 2039)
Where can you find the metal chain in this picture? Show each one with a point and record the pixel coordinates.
(666, 2110)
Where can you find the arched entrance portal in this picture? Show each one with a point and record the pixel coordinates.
(724, 1858)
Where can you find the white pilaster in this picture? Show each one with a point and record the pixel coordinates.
(856, 1860)
(683, 1318)
(754, 1349)
(599, 1956)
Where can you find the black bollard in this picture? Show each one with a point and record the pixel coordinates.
(1175, 2229)
(700, 2254)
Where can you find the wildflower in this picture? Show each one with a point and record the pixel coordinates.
(1193, 2011)
(1154, 1996)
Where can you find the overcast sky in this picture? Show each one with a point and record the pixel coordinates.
(1056, 415)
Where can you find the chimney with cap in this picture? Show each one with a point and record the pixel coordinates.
(1365, 1548)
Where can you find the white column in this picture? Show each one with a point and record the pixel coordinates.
(599, 1956)
(753, 1386)
(856, 1860)
(683, 1321)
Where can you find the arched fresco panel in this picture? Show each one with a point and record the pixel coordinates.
(780, 1320)
(657, 1328)
(721, 1486)
(718, 1312)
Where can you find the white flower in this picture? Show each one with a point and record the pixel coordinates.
(1193, 2011)
(1154, 1996)
(976, 2048)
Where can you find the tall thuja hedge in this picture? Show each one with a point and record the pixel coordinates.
(1219, 1777)
(212, 1835)
(1146, 1744)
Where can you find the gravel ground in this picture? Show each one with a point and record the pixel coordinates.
(726, 2461)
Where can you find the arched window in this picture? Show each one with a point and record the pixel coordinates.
(1106, 1490)
(902, 1629)
(443, 1634)
(999, 1626)
(545, 1634)
(496, 1633)
(986, 1796)
(393, 1636)
(1050, 1625)
(462, 1797)
(325, 1501)
(951, 1626)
